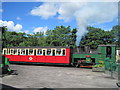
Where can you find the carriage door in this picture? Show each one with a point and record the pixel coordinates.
(44, 52)
(53, 52)
(34, 56)
(43, 58)
(27, 52)
(53, 59)
(108, 51)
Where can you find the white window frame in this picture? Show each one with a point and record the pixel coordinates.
(50, 53)
(21, 52)
(62, 51)
(4, 49)
(45, 51)
(11, 53)
(32, 52)
(37, 51)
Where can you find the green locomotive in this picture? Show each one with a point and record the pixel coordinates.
(89, 57)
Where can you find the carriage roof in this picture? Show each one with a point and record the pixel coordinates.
(40, 47)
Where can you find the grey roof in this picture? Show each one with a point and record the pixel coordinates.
(40, 47)
(108, 45)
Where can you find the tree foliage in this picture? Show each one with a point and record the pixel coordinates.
(116, 31)
(64, 36)
(97, 36)
(59, 36)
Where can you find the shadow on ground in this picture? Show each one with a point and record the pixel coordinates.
(6, 87)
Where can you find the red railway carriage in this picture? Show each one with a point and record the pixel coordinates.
(39, 55)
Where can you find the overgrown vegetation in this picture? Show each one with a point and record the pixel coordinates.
(64, 36)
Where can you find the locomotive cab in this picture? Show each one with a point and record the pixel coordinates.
(106, 51)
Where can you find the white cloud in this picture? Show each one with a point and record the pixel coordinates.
(11, 26)
(18, 18)
(77, 0)
(40, 29)
(66, 10)
(94, 13)
(1, 10)
(45, 11)
(60, 0)
(85, 13)
(17, 27)
(26, 31)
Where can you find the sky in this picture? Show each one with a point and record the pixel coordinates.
(33, 17)
(20, 13)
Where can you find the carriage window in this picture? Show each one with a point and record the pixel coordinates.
(34, 52)
(58, 52)
(23, 52)
(39, 52)
(48, 51)
(15, 52)
(31, 52)
(5, 51)
(63, 53)
(18, 51)
(53, 53)
(43, 52)
(11, 51)
(26, 51)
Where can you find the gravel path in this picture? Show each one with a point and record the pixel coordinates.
(31, 76)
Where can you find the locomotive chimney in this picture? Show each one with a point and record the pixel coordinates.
(87, 49)
(78, 50)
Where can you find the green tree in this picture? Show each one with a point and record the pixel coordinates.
(97, 36)
(60, 36)
(40, 39)
(73, 39)
(14, 38)
(116, 31)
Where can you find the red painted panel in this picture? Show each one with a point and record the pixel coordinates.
(28, 58)
(16, 57)
(10, 57)
(50, 59)
(23, 58)
(41, 59)
(60, 59)
(32, 58)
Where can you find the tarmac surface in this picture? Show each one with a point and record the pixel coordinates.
(34, 76)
